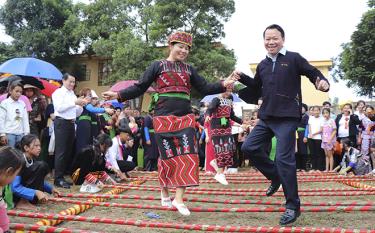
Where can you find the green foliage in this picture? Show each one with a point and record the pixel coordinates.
(213, 61)
(143, 33)
(132, 33)
(7, 52)
(200, 17)
(356, 64)
(130, 55)
(42, 27)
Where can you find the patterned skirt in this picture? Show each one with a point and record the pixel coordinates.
(178, 164)
(224, 146)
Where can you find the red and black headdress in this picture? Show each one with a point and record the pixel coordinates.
(181, 37)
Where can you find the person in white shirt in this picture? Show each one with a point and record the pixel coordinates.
(118, 157)
(14, 119)
(67, 108)
(315, 140)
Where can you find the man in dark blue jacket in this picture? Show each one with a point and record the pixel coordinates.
(278, 82)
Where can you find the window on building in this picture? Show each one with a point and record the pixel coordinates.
(81, 72)
(104, 71)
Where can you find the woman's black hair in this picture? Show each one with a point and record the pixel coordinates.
(348, 104)
(347, 142)
(101, 139)
(26, 141)
(10, 158)
(369, 106)
(326, 110)
(15, 83)
(316, 106)
(305, 107)
(360, 101)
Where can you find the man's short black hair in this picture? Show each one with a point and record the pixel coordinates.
(277, 27)
(305, 107)
(327, 102)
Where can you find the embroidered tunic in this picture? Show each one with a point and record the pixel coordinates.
(174, 123)
(221, 112)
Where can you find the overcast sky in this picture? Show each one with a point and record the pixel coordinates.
(314, 28)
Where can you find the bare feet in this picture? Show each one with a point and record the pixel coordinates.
(25, 205)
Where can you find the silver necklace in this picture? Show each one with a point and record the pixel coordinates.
(28, 164)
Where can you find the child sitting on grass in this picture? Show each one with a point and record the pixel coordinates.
(353, 160)
(29, 186)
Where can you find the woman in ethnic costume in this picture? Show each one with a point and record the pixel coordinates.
(178, 164)
(220, 112)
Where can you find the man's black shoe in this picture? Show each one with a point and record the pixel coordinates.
(289, 216)
(273, 188)
(62, 184)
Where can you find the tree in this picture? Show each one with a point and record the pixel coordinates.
(356, 64)
(141, 34)
(203, 18)
(132, 33)
(130, 55)
(7, 52)
(42, 27)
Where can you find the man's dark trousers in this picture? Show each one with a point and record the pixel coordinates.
(64, 141)
(283, 169)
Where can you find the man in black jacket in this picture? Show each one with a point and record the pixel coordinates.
(278, 81)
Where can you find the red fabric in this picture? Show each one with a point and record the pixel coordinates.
(175, 77)
(49, 88)
(210, 155)
(181, 37)
(90, 178)
(222, 111)
(179, 171)
(223, 139)
(165, 124)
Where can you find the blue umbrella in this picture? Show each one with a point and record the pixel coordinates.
(33, 67)
(209, 98)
